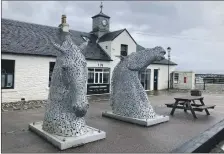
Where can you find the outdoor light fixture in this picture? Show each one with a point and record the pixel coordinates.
(169, 50)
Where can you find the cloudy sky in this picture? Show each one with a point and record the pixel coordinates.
(194, 30)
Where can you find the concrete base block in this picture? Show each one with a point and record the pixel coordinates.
(67, 142)
(144, 122)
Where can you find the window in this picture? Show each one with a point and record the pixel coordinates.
(8, 68)
(144, 77)
(176, 77)
(106, 47)
(124, 50)
(51, 68)
(106, 75)
(98, 75)
(90, 75)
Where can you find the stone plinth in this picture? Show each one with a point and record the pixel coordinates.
(67, 142)
(144, 122)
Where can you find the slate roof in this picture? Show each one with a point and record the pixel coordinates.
(112, 35)
(33, 39)
(161, 62)
(101, 14)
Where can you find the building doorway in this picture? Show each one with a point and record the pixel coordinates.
(145, 78)
(155, 79)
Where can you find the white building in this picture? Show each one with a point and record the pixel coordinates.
(28, 58)
(183, 80)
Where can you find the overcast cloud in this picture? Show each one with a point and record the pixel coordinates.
(194, 30)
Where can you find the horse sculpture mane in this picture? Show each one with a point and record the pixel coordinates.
(67, 101)
(128, 97)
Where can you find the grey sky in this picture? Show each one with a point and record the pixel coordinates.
(194, 30)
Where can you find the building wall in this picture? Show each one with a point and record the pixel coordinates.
(123, 38)
(190, 80)
(93, 63)
(32, 72)
(97, 24)
(108, 44)
(162, 75)
(31, 78)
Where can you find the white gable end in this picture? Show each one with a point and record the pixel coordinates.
(106, 46)
(123, 38)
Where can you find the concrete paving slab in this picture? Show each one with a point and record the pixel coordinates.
(121, 136)
(63, 143)
(144, 122)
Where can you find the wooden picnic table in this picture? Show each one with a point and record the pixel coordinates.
(189, 103)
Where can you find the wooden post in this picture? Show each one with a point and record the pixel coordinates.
(204, 85)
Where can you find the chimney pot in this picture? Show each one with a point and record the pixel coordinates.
(64, 26)
(63, 19)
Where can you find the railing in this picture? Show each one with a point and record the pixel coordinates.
(210, 83)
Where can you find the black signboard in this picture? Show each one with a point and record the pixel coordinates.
(98, 88)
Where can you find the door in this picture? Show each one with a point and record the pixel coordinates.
(155, 79)
(145, 79)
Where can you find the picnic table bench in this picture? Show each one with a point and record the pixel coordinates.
(188, 103)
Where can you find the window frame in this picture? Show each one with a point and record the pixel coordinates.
(6, 74)
(50, 73)
(99, 75)
(126, 47)
(174, 80)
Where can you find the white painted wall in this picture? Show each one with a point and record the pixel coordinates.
(32, 76)
(108, 44)
(32, 72)
(93, 63)
(30, 79)
(190, 82)
(123, 38)
(162, 75)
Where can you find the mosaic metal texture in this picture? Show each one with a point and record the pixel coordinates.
(128, 97)
(67, 101)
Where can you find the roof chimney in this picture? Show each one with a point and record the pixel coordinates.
(64, 26)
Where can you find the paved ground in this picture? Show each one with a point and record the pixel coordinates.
(121, 136)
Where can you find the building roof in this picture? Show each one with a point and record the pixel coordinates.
(33, 39)
(161, 62)
(101, 14)
(112, 35)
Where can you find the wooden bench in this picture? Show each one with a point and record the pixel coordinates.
(185, 104)
(198, 107)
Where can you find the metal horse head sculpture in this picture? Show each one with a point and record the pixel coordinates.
(128, 97)
(67, 99)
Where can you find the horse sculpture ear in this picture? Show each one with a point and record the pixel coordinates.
(57, 46)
